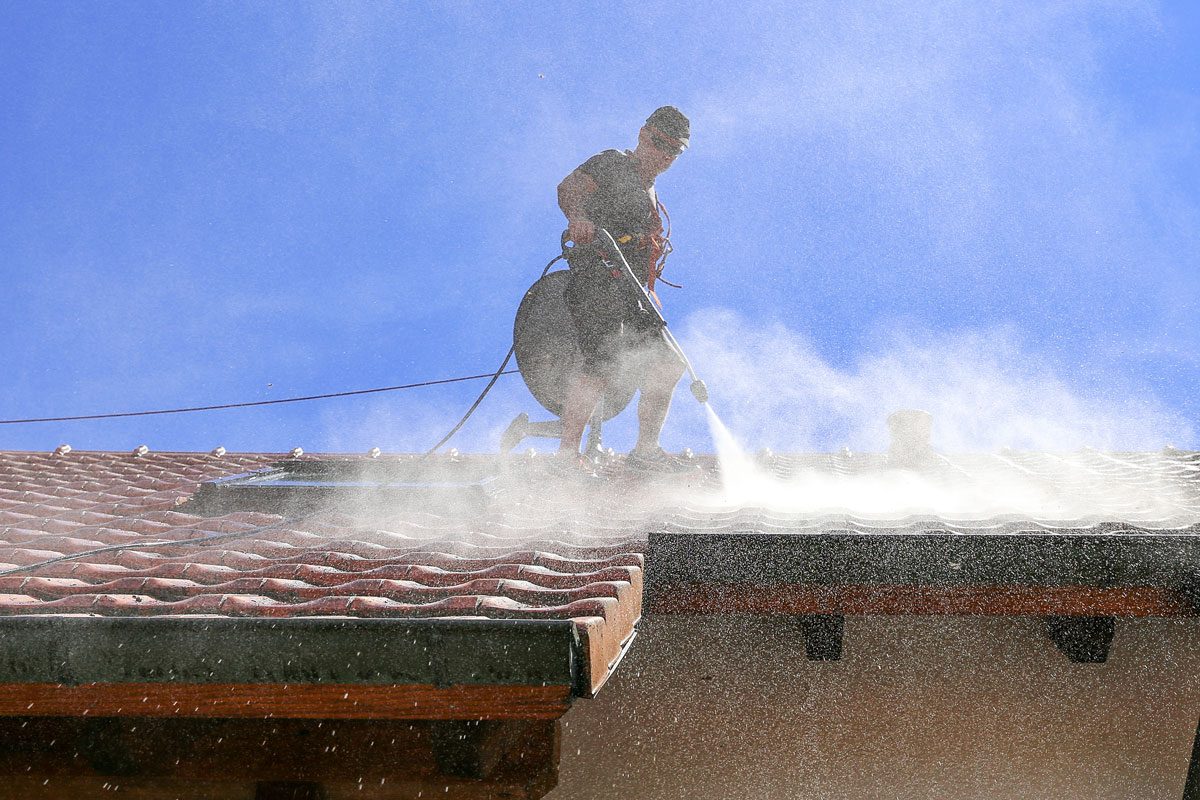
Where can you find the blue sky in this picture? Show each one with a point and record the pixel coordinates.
(990, 210)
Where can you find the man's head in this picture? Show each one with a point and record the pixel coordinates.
(664, 136)
(674, 126)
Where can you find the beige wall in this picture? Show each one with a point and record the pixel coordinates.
(919, 707)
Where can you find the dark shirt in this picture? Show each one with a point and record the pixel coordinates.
(621, 203)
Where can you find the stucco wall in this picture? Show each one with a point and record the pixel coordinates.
(919, 707)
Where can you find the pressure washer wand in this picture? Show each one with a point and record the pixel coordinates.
(698, 387)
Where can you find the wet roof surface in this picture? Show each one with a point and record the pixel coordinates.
(261, 564)
(118, 534)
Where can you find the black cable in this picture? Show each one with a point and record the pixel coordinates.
(498, 373)
(474, 405)
(260, 402)
(494, 377)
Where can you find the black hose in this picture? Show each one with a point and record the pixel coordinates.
(495, 377)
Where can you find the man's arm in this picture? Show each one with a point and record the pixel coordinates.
(573, 193)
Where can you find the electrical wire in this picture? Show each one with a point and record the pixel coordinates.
(260, 402)
(494, 376)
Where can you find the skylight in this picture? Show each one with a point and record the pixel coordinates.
(303, 486)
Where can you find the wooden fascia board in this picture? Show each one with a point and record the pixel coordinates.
(876, 599)
(302, 667)
(285, 701)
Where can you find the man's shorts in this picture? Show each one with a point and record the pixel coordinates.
(614, 332)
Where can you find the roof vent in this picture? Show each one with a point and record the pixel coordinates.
(62, 449)
(911, 430)
(374, 452)
(140, 451)
(217, 451)
(296, 452)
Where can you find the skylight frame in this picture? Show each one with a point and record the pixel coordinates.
(298, 486)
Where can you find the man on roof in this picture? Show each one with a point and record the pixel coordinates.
(614, 190)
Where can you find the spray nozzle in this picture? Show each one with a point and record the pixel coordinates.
(699, 391)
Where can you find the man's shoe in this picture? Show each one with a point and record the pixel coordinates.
(657, 461)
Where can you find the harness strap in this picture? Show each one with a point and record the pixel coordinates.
(657, 244)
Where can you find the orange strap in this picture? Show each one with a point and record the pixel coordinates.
(655, 243)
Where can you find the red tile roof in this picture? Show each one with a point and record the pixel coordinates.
(113, 535)
(109, 534)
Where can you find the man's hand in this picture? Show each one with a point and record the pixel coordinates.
(573, 193)
(581, 231)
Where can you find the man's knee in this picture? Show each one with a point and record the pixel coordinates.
(675, 370)
(668, 363)
(662, 376)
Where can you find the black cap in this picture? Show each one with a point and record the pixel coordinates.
(671, 121)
